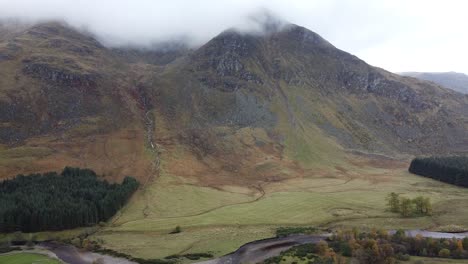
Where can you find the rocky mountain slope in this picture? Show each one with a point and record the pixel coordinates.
(453, 80)
(240, 109)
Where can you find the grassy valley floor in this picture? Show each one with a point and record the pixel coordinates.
(222, 218)
(26, 258)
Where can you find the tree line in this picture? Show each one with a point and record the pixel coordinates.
(374, 247)
(51, 201)
(453, 170)
(407, 207)
(319, 253)
(379, 246)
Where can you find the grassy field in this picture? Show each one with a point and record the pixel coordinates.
(47, 235)
(416, 260)
(220, 219)
(27, 258)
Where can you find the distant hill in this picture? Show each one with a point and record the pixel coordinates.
(453, 80)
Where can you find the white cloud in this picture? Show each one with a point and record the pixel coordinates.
(398, 35)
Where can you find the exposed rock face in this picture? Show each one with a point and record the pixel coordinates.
(225, 56)
(379, 85)
(50, 83)
(235, 102)
(59, 76)
(11, 116)
(224, 53)
(301, 38)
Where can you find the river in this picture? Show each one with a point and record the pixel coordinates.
(258, 251)
(252, 252)
(72, 255)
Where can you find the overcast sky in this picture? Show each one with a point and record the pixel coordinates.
(398, 35)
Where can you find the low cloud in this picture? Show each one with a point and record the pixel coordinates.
(418, 35)
(142, 22)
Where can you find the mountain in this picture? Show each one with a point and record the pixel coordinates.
(240, 109)
(453, 80)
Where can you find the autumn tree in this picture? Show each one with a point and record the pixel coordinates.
(407, 207)
(322, 247)
(371, 252)
(465, 243)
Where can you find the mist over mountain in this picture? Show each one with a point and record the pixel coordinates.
(246, 134)
(152, 27)
(289, 92)
(453, 80)
(393, 35)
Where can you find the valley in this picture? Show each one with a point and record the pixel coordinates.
(354, 198)
(229, 141)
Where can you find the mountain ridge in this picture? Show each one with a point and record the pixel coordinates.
(242, 108)
(452, 80)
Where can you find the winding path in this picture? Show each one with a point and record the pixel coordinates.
(261, 195)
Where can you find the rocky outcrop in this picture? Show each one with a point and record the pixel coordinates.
(288, 83)
(60, 76)
(225, 56)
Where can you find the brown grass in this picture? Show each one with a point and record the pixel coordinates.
(114, 155)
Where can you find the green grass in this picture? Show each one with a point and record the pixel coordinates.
(413, 260)
(173, 197)
(220, 220)
(216, 240)
(48, 235)
(353, 200)
(304, 141)
(27, 258)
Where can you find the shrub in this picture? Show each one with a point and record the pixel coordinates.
(176, 230)
(286, 231)
(444, 253)
(403, 257)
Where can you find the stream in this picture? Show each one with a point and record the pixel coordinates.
(252, 252)
(72, 255)
(260, 250)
